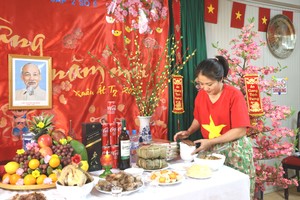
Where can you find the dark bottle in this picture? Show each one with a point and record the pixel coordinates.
(124, 145)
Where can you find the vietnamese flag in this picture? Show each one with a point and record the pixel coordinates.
(263, 19)
(211, 11)
(237, 15)
(289, 14)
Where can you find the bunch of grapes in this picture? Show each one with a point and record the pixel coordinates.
(64, 152)
(23, 160)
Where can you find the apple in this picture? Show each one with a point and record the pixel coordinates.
(45, 140)
(46, 151)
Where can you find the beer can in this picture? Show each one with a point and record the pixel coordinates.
(105, 134)
(112, 134)
(115, 154)
(119, 129)
(106, 149)
(111, 111)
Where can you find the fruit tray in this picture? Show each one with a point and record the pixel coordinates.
(27, 187)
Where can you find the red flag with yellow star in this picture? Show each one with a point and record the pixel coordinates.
(289, 14)
(211, 11)
(237, 15)
(263, 19)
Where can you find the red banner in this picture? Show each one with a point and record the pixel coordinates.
(289, 14)
(66, 31)
(264, 19)
(238, 15)
(211, 11)
(177, 28)
(178, 105)
(253, 95)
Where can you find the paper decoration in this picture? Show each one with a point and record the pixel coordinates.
(237, 15)
(253, 95)
(289, 14)
(263, 19)
(211, 11)
(178, 106)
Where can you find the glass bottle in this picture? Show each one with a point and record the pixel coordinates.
(134, 139)
(124, 146)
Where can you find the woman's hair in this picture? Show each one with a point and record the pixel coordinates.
(213, 68)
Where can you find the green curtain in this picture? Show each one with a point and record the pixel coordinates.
(193, 33)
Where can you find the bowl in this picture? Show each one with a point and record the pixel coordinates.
(134, 171)
(75, 192)
(186, 152)
(214, 164)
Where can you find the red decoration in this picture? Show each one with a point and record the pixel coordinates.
(178, 106)
(106, 159)
(237, 15)
(211, 11)
(177, 28)
(263, 19)
(289, 14)
(253, 95)
(76, 159)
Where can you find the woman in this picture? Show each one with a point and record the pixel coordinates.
(221, 114)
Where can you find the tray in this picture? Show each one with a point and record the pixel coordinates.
(27, 187)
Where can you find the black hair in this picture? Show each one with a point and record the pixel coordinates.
(213, 68)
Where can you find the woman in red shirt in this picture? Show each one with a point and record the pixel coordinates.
(222, 116)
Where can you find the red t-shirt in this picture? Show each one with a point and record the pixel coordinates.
(229, 111)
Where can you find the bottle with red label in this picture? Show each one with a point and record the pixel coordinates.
(124, 148)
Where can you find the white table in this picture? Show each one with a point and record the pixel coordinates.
(225, 184)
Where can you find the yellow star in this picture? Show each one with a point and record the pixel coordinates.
(214, 131)
(238, 15)
(210, 9)
(264, 20)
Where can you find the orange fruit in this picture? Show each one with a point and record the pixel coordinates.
(40, 179)
(14, 178)
(6, 176)
(54, 162)
(53, 177)
(29, 180)
(34, 163)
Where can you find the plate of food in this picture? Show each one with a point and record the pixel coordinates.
(27, 187)
(199, 171)
(127, 182)
(166, 177)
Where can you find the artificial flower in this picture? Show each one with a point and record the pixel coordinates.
(76, 159)
(36, 173)
(47, 180)
(20, 151)
(63, 141)
(20, 171)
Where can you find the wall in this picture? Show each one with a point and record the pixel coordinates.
(223, 33)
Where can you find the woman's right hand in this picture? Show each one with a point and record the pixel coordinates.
(181, 135)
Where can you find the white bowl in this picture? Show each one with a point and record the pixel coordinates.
(186, 152)
(75, 192)
(134, 171)
(213, 164)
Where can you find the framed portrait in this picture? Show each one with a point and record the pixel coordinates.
(30, 82)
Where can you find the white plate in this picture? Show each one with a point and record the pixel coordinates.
(123, 193)
(173, 183)
(204, 177)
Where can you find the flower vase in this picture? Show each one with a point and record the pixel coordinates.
(144, 131)
(27, 138)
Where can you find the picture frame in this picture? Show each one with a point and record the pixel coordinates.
(30, 82)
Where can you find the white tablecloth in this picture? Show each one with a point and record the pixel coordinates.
(225, 184)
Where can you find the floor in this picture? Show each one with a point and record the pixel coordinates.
(278, 195)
